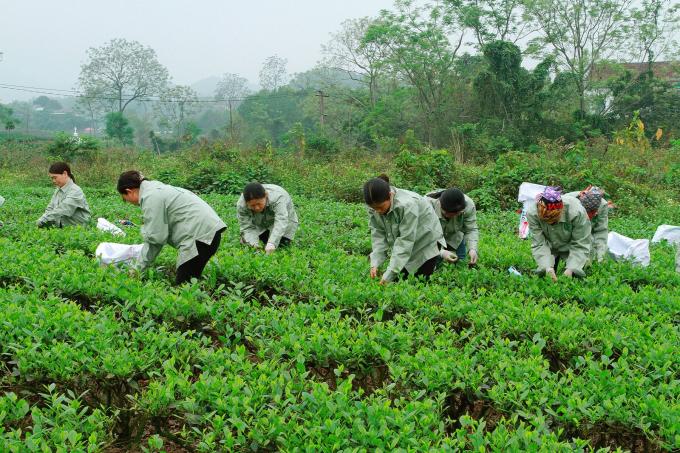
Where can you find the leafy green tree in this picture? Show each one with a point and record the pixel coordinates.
(580, 33)
(118, 128)
(509, 93)
(418, 51)
(492, 20)
(121, 72)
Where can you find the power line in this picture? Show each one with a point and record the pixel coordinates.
(77, 94)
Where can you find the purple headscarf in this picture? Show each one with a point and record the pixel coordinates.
(551, 194)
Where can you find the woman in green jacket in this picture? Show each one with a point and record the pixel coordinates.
(458, 217)
(560, 230)
(68, 206)
(597, 209)
(174, 216)
(404, 222)
(266, 215)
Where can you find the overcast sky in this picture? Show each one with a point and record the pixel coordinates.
(44, 41)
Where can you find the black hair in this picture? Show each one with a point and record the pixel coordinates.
(452, 200)
(253, 191)
(377, 190)
(58, 168)
(130, 180)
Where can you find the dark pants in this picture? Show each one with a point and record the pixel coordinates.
(426, 270)
(284, 242)
(461, 251)
(194, 267)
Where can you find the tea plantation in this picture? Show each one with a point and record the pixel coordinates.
(301, 351)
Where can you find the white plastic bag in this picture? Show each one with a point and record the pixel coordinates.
(624, 248)
(527, 195)
(112, 253)
(105, 225)
(669, 233)
(528, 191)
(2, 200)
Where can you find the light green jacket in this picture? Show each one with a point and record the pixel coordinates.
(68, 207)
(599, 229)
(174, 216)
(463, 226)
(410, 228)
(279, 217)
(569, 236)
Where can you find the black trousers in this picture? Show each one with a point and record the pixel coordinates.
(284, 242)
(194, 267)
(426, 270)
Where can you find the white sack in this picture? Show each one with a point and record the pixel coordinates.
(2, 200)
(111, 253)
(669, 233)
(624, 248)
(106, 226)
(528, 191)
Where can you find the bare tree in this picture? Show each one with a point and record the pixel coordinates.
(273, 73)
(347, 51)
(122, 71)
(231, 87)
(175, 106)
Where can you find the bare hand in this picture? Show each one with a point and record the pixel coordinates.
(269, 248)
(374, 272)
(568, 273)
(551, 273)
(473, 257)
(384, 282)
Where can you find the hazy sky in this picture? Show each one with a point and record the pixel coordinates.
(44, 42)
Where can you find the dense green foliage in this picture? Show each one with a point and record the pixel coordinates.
(301, 350)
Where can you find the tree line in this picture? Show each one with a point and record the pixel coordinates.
(478, 77)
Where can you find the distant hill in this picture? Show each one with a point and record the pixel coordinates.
(206, 87)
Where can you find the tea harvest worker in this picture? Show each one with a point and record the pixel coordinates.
(173, 216)
(458, 217)
(560, 230)
(404, 224)
(597, 208)
(266, 215)
(68, 206)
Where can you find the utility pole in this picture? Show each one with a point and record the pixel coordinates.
(321, 95)
(231, 122)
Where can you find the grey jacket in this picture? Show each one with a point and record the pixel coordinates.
(279, 217)
(459, 228)
(599, 229)
(410, 228)
(569, 236)
(174, 216)
(68, 207)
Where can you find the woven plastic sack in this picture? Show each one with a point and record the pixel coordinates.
(668, 233)
(106, 226)
(527, 194)
(112, 253)
(622, 248)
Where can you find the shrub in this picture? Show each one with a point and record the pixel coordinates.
(69, 147)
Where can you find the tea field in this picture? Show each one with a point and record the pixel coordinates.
(301, 351)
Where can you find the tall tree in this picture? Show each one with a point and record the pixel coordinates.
(175, 106)
(231, 87)
(420, 52)
(492, 20)
(580, 33)
(654, 31)
(122, 71)
(348, 52)
(273, 73)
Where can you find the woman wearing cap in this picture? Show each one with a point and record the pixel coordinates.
(597, 208)
(174, 216)
(68, 206)
(266, 215)
(405, 224)
(458, 218)
(560, 230)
